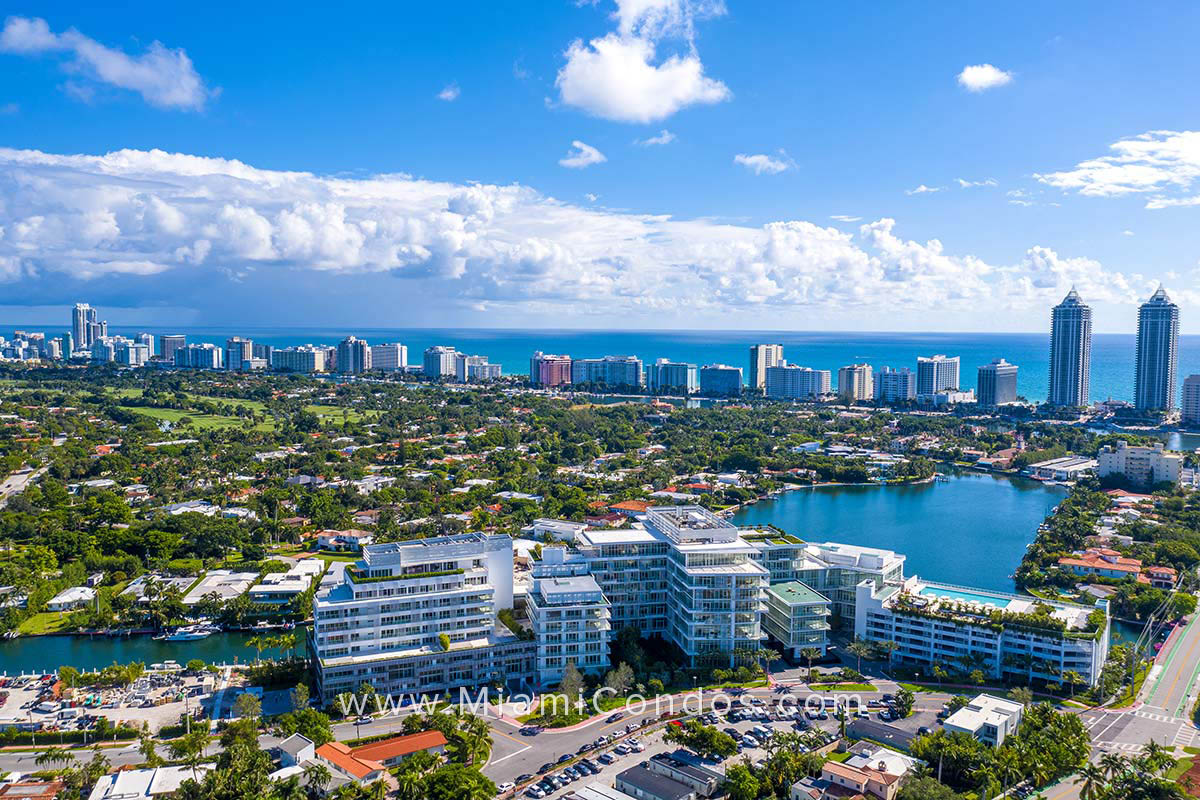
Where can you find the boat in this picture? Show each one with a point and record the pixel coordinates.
(189, 633)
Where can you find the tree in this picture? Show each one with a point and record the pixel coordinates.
(571, 684)
(741, 783)
(904, 702)
(860, 648)
(149, 748)
(54, 757)
(620, 680)
(704, 739)
(299, 697)
(190, 748)
(1094, 782)
(1073, 679)
(247, 706)
(458, 782)
(810, 654)
(1022, 695)
(887, 647)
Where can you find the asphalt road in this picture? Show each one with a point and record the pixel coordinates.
(17, 482)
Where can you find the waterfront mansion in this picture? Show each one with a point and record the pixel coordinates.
(425, 615)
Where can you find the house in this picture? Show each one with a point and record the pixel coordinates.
(1161, 577)
(559, 530)
(683, 767)
(31, 790)
(192, 507)
(73, 597)
(1102, 561)
(280, 588)
(340, 757)
(368, 516)
(1066, 468)
(630, 508)
(391, 752)
(352, 539)
(142, 784)
(295, 750)
(988, 718)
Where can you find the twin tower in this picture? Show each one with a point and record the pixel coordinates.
(1157, 352)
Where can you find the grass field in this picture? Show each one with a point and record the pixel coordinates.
(335, 414)
(202, 421)
(45, 622)
(841, 687)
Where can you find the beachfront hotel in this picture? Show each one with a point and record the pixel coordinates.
(1002, 635)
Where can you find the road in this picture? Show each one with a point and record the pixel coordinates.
(17, 483)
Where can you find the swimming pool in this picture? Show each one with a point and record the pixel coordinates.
(966, 595)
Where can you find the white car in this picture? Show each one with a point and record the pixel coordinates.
(505, 788)
(535, 793)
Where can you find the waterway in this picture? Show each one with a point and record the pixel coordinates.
(46, 653)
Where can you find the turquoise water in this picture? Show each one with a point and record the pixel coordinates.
(46, 653)
(970, 597)
(1112, 354)
(970, 530)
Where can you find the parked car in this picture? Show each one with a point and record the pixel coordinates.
(606, 758)
(564, 758)
(615, 717)
(505, 788)
(544, 768)
(621, 750)
(535, 792)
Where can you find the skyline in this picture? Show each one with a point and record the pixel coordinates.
(662, 165)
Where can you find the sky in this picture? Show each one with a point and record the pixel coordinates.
(611, 164)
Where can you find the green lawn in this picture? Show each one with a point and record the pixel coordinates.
(45, 622)
(202, 421)
(336, 414)
(841, 687)
(1181, 766)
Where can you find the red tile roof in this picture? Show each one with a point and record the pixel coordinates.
(344, 759)
(398, 746)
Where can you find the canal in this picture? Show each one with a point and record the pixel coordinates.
(86, 653)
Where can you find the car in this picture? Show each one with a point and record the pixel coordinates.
(637, 747)
(504, 788)
(749, 741)
(631, 727)
(556, 781)
(583, 749)
(621, 750)
(923, 730)
(591, 764)
(734, 732)
(524, 778)
(584, 769)
(606, 758)
(823, 714)
(530, 730)
(364, 719)
(886, 715)
(564, 758)
(535, 792)
(574, 772)
(544, 768)
(615, 717)
(889, 698)
(862, 713)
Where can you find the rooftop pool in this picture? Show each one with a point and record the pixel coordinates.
(966, 595)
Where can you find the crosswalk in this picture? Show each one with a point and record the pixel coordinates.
(1186, 737)
(1157, 717)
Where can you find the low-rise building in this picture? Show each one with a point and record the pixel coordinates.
(144, 784)
(344, 540)
(340, 757)
(295, 750)
(682, 767)
(71, 598)
(392, 751)
(640, 782)
(1064, 469)
(1101, 561)
(1141, 466)
(280, 588)
(988, 718)
(797, 617)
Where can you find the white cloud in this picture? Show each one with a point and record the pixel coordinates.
(1166, 163)
(965, 184)
(581, 155)
(663, 137)
(163, 77)
(761, 164)
(155, 226)
(845, 218)
(450, 93)
(1127, 233)
(620, 77)
(923, 189)
(591, 197)
(981, 77)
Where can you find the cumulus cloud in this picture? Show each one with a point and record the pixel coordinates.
(581, 155)
(153, 225)
(163, 77)
(981, 77)
(620, 76)
(923, 189)
(450, 93)
(1164, 163)
(761, 164)
(663, 137)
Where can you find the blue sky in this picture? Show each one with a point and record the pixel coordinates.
(440, 183)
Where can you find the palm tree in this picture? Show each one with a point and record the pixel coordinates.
(1114, 765)
(859, 648)
(408, 785)
(318, 775)
(1072, 679)
(1156, 756)
(259, 644)
(54, 757)
(887, 647)
(810, 654)
(1093, 779)
(477, 738)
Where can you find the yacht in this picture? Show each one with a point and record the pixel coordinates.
(190, 633)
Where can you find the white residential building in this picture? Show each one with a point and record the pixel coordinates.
(383, 624)
(895, 385)
(389, 357)
(988, 718)
(303, 358)
(570, 618)
(440, 361)
(856, 382)
(280, 588)
(999, 634)
(797, 618)
(1141, 466)
(71, 598)
(793, 382)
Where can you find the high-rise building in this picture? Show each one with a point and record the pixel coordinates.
(1157, 353)
(1070, 352)
(895, 385)
(200, 356)
(304, 358)
(237, 352)
(856, 382)
(1190, 404)
(671, 376)
(610, 370)
(169, 343)
(720, 379)
(146, 339)
(549, 370)
(440, 361)
(389, 357)
(353, 356)
(996, 383)
(474, 368)
(131, 354)
(68, 345)
(792, 382)
(83, 326)
(763, 356)
(936, 374)
(262, 352)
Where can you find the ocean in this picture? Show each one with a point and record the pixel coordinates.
(1111, 376)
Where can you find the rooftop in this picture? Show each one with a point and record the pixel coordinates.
(796, 593)
(399, 746)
